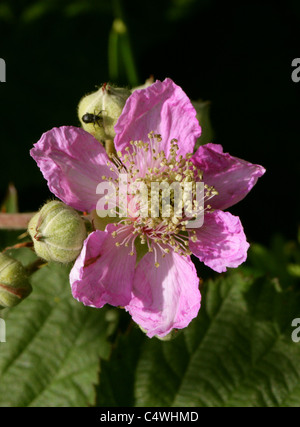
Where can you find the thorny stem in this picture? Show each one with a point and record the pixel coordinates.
(15, 221)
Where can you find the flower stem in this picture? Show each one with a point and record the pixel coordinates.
(19, 246)
(120, 51)
(15, 221)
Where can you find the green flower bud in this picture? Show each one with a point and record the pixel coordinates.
(99, 111)
(14, 284)
(57, 232)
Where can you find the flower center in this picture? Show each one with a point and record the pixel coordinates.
(161, 195)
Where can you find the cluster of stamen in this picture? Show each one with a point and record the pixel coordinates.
(146, 163)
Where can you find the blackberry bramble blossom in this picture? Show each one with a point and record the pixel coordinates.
(141, 259)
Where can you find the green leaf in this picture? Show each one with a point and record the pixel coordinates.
(53, 345)
(117, 374)
(281, 259)
(9, 238)
(238, 352)
(203, 116)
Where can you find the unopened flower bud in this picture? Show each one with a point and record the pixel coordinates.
(57, 232)
(99, 111)
(14, 283)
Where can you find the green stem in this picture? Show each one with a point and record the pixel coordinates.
(120, 52)
(128, 59)
(113, 60)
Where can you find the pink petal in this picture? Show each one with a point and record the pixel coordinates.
(103, 273)
(163, 108)
(221, 241)
(166, 297)
(233, 178)
(73, 162)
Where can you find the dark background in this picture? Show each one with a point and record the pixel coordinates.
(237, 55)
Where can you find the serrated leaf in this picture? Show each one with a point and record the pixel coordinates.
(117, 374)
(238, 352)
(53, 345)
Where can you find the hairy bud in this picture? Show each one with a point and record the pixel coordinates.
(99, 111)
(57, 232)
(14, 283)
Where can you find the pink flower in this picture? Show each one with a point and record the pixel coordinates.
(155, 135)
